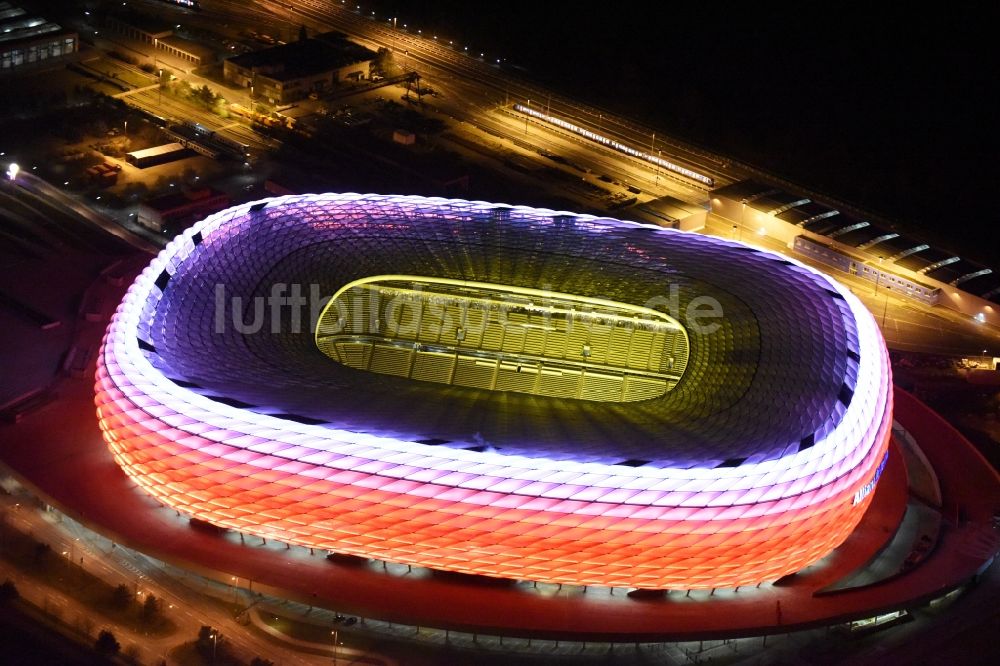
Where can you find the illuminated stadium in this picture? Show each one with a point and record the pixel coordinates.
(503, 391)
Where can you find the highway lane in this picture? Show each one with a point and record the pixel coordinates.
(188, 609)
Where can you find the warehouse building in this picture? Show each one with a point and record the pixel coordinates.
(289, 72)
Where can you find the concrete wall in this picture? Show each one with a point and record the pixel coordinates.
(279, 92)
(752, 220)
(693, 222)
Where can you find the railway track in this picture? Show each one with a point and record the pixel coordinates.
(504, 86)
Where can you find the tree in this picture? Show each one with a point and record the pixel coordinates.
(150, 609)
(42, 553)
(8, 591)
(204, 96)
(121, 598)
(383, 63)
(106, 643)
(208, 640)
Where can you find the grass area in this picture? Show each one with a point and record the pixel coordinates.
(319, 634)
(303, 631)
(31, 636)
(119, 604)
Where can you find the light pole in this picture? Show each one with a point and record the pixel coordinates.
(878, 275)
(743, 213)
(885, 309)
(236, 589)
(125, 131)
(253, 82)
(215, 643)
(159, 90)
(984, 359)
(657, 183)
(526, 119)
(336, 646)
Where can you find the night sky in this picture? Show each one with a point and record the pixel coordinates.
(886, 109)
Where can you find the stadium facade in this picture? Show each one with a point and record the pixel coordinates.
(502, 391)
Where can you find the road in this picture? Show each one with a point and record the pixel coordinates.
(187, 608)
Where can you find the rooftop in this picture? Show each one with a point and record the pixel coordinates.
(305, 57)
(847, 229)
(186, 198)
(17, 24)
(743, 394)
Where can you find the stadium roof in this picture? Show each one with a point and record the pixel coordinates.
(772, 378)
(759, 461)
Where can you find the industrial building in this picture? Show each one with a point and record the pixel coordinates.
(289, 72)
(857, 245)
(28, 41)
(179, 209)
(168, 152)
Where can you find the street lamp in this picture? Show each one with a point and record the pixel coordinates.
(885, 307)
(878, 275)
(337, 620)
(743, 213)
(13, 170)
(984, 358)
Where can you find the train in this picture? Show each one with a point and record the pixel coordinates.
(210, 137)
(620, 147)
